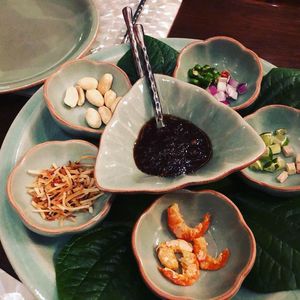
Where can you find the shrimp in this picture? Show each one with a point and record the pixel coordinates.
(166, 252)
(190, 270)
(207, 262)
(180, 229)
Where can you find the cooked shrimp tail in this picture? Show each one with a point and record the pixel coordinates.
(166, 252)
(207, 262)
(217, 263)
(181, 230)
(200, 248)
(190, 270)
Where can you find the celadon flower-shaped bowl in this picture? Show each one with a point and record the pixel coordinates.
(227, 230)
(224, 53)
(235, 143)
(41, 157)
(270, 118)
(72, 120)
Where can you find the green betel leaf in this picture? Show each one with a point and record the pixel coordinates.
(275, 224)
(280, 86)
(99, 264)
(162, 59)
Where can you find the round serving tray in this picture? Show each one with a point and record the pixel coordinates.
(30, 254)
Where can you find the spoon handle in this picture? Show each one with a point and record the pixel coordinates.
(135, 17)
(139, 33)
(127, 14)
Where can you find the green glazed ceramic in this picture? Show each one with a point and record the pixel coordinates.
(270, 118)
(38, 36)
(224, 53)
(72, 120)
(41, 157)
(32, 126)
(235, 144)
(227, 230)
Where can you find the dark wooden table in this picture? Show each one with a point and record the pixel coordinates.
(270, 28)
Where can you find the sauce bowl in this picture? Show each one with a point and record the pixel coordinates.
(235, 143)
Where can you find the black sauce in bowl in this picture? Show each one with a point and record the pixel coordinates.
(178, 148)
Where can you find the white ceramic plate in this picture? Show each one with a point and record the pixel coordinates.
(34, 125)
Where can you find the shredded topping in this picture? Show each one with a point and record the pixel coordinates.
(58, 192)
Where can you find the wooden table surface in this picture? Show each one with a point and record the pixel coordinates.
(270, 28)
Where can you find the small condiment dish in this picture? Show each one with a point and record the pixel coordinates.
(41, 157)
(235, 144)
(224, 53)
(73, 120)
(268, 119)
(228, 229)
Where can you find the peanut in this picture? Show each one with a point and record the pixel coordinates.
(105, 114)
(93, 118)
(115, 103)
(71, 97)
(94, 97)
(81, 97)
(88, 83)
(109, 98)
(105, 83)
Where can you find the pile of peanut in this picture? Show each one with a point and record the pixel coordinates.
(99, 94)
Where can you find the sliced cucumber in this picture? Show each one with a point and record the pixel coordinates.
(256, 166)
(270, 167)
(285, 141)
(267, 137)
(280, 139)
(279, 162)
(274, 142)
(280, 131)
(267, 155)
(276, 148)
(276, 164)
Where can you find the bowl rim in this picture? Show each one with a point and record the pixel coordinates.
(40, 228)
(239, 278)
(286, 189)
(50, 105)
(175, 186)
(243, 48)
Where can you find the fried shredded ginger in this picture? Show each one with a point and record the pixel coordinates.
(58, 192)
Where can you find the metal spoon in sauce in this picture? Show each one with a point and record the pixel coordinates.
(136, 37)
(139, 34)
